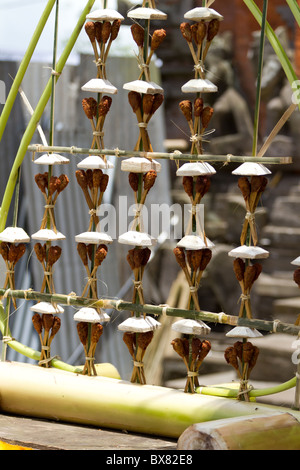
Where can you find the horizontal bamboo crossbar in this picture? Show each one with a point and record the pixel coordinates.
(176, 155)
(222, 318)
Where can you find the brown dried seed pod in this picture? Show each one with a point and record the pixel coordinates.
(98, 31)
(157, 102)
(205, 348)
(186, 31)
(205, 258)
(186, 347)
(21, 249)
(198, 107)
(97, 176)
(82, 330)
(41, 180)
(56, 326)
(4, 249)
(247, 351)
(39, 251)
(100, 254)
(106, 31)
(130, 259)
(144, 339)
(297, 276)
(12, 253)
(97, 330)
(194, 259)
(187, 109)
(147, 103)
(90, 30)
(258, 269)
(178, 347)
(212, 29)
(81, 178)
(54, 254)
(47, 320)
(256, 182)
(199, 32)
(238, 346)
(146, 256)
(196, 347)
(202, 185)
(231, 357)
(253, 359)
(82, 251)
(180, 256)
(64, 181)
(89, 178)
(53, 185)
(149, 179)
(206, 116)
(135, 100)
(157, 38)
(245, 187)
(239, 269)
(138, 34)
(133, 179)
(115, 27)
(129, 339)
(138, 256)
(188, 185)
(104, 105)
(104, 182)
(91, 249)
(37, 323)
(89, 106)
(250, 276)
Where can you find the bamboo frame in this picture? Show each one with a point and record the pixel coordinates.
(119, 304)
(161, 155)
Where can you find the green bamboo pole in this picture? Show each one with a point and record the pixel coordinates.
(23, 67)
(29, 132)
(221, 318)
(160, 155)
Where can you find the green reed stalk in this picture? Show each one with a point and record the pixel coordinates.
(23, 67)
(259, 76)
(29, 132)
